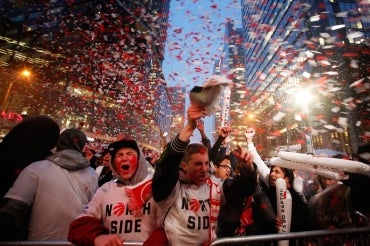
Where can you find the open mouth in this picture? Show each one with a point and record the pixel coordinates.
(125, 167)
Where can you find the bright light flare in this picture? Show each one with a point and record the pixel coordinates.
(251, 116)
(26, 73)
(303, 97)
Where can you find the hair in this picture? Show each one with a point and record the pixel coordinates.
(35, 135)
(194, 149)
(288, 173)
(226, 157)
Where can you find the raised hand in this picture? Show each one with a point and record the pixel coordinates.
(194, 113)
(244, 157)
(200, 125)
(249, 134)
(225, 131)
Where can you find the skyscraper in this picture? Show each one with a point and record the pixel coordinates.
(311, 45)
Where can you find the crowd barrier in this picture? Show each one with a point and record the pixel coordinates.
(359, 236)
(56, 243)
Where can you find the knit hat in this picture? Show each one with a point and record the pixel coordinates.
(72, 138)
(142, 168)
(124, 143)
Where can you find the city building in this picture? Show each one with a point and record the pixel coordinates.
(233, 100)
(91, 62)
(177, 97)
(315, 46)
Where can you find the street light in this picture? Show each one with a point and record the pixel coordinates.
(24, 73)
(304, 97)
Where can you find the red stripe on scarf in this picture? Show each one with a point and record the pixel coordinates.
(138, 196)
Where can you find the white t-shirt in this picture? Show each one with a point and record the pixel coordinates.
(110, 204)
(188, 221)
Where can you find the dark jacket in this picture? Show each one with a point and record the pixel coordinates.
(217, 152)
(237, 191)
(168, 165)
(300, 218)
(300, 212)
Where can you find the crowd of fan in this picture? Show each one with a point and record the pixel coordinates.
(57, 186)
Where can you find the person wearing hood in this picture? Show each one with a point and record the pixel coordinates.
(122, 209)
(49, 194)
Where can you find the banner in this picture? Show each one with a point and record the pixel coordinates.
(284, 208)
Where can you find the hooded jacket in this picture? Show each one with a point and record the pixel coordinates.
(142, 169)
(52, 192)
(122, 207)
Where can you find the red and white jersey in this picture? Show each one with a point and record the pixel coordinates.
(111, 205)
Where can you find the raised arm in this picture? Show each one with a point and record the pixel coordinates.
(205, 140)
(166, 172)
(244, 182)
(262, 168)
(214, 153)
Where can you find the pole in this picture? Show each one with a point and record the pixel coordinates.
(26, 74)
(6, 97)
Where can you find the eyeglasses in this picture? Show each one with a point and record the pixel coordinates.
(225, 166)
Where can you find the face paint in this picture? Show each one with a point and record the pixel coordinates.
(126, 162)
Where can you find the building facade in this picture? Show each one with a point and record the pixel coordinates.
(91, 62)
(307, 45)
(233, 99)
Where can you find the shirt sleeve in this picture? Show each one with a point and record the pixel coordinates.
(84, 230)
(262, 168)
(206, 142)
(214, 152)
(13, 220)
(166, 173)
(25, 186)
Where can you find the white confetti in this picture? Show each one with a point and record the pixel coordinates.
(278, 116)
